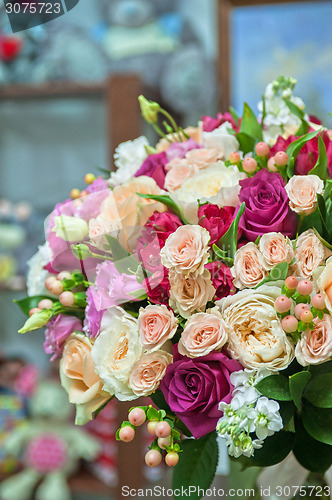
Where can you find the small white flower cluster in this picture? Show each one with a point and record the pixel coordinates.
(248, 412)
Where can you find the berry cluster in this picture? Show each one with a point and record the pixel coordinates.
(166, 437)
(251, 165)
(76, 193)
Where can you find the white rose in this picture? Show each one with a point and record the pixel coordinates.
(128, 158)
(221, 139)
(116, 350)
(255, 336)
(70, 228)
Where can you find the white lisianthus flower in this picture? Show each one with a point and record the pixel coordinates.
(221, 140)
(266, 417)
(70, 228)
(37, 275)
(128, 158)
(116, 350)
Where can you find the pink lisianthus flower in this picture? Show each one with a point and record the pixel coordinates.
(179, 149)
(58, 330)
(210, 123)
(216, 220)
(90, 207)
(93, 316)
(221, 278)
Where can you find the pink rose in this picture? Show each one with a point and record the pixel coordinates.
(148, 372)
(310, 253)
(324, 283)
(186, 250)
(276, 248)
(216, 220)
(156, 325)
(315, 346)
(249, 266)
(202, 334)
(59, 328)
(302, 192)
(178, 174)
(191, 293)
(202, 158)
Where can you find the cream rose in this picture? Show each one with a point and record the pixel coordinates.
(116, 350)
(148, 372)
(79, 378)
(203, 333)
(221, 139)
(156, 325)
(255, 336)
(315, 346)
(190, 294)
(276, 248)
(324, 283)
(178, 174)
(249, 267)
(203, 157)
(186, 250)
(302, 192)
(309, 254)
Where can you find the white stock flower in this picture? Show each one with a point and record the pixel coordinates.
(244, 382)
(128, 158)
(37, 275)
(221, 140)
(266, 417)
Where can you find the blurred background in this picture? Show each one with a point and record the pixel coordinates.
(68, 96)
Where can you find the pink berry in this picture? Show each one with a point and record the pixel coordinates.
(234, 158)
(67, 299)
(262, 149)
(34, 310)
(249, 165)
(299, 308)
(291, 282)
(271, 165)
(137, 416)
(162, 442)
(172, 459)
(152, 427)
(49, 281)
(56, 287)
(281, 158)
(307, 316)
(64, 275)
(45, 304)
(304, 287)
(289, 323)
(153, 458)
(163, 429)
(318, 301)
(282, 304)
(127, 434)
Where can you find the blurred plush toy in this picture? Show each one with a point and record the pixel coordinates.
(50, 447)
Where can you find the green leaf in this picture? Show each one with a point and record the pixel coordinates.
(123, 260)
(287, 410)
(318, 422)
(96, 413)
(197, 465)
(319, 391)
(250, 124)
(279, 272)
(275, 387)
(159, 400)
(234, 114)
(295, 147)
(320, 168)
(322, 214)
(166, 200)
(29, 302)
(246, 142)
(297, 384)
(322, 368)
(228, 242)
(296, 111)
(275, 449)
(311, 454)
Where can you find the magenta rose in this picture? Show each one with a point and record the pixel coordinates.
(210, 123)
(58, 330)
(179, 149)
(308, 155)
(162, 225)
(267, 206)
(216, 220)
(221, 278)
(193, 389)
(154, 166)
(157, 287)
(93, 316)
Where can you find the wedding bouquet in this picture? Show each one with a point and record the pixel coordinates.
(199, 274)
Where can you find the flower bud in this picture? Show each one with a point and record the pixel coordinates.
(36, 321)
(70, 228)
(149, 109)
(81, 251)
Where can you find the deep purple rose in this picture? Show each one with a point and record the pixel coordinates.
(58, 330)
(93, 316)
(154, 166)
(216, 220)
(193, 389)
(221, 278)
(267, 206)
(179, 149)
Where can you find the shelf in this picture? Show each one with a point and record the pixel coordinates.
(52, 90)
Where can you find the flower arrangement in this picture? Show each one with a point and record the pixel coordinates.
(200, 274)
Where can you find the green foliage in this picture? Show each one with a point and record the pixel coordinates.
(279, 272)
(228, 242)
(247, 143)
(250, 124)
(29, 302)
(275, 449)
(296, 111)
(319, 391)
(123, 260)
(312, 454)
(166, 200)
(197, 465)
(318, 422)
(294, 148)
(320, 168)
(297, 384)
(275, 387)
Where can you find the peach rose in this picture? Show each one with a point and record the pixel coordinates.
(255, 336)
(190, 294)
(302, 192)
(310, 253)
(156, 324)
(178, 173)
(249, 267)
(203, 333)
(79, 378)
(186, 250)
(203, 157)
(324, 283)
(148, 372)
(315, 346)
(276, 248)
(124, 209)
